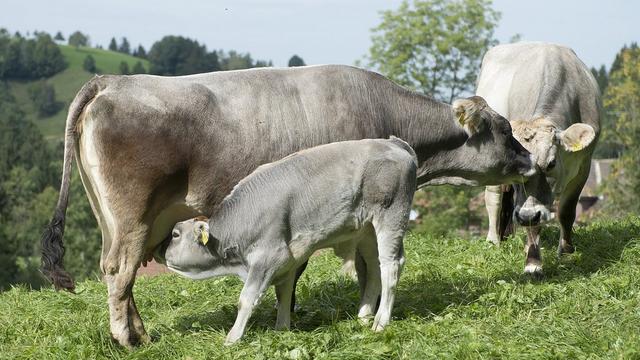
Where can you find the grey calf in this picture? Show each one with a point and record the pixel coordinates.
(356, 192)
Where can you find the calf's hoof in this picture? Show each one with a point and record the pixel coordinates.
(534, 270)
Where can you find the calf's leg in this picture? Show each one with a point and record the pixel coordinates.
(285, 295)
(367, 249)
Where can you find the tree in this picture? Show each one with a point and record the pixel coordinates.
(602, 77)
(124, 68)
(89, 64)
(124, 48)
(43, 96)
(434, 46)
(176, 55)
(622, 102)
(140, 52)
(59, 36)
(113, 45)
(138, 68)
(78, 39)
(296, 61)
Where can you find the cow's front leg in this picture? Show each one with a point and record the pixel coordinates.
(123, 259)
(284, 294)
(493, 201)
(256, 284)
(533, 261)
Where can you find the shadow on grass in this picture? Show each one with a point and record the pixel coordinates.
(424, 295)
(597, 247)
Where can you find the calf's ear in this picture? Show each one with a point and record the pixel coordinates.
(576, 137)
(467, 112)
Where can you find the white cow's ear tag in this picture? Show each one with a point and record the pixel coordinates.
(204, 236)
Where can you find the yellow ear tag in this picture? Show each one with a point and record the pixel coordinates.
(204, 237)
(576, 146)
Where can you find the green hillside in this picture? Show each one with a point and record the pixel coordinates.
(457, 299)
(68, 82)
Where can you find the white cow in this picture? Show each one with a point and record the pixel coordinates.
(553, 103)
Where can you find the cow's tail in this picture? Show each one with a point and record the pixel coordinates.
(52, 246)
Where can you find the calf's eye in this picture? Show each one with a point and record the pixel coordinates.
(175, 234)
(551, 164)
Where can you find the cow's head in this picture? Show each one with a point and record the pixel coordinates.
(190, 250)
(491, 155)
(559, 155)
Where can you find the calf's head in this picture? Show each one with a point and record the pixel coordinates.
(190, 250)
(490, 155)
(559, 155)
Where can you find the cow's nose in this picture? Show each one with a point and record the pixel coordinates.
(528, 218)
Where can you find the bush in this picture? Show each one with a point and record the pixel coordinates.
(124, 68)
(43, 96)
(89, 64)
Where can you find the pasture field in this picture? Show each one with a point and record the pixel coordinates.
(68, 82)
(457, 298)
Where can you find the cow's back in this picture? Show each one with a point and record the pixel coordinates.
(530, 80)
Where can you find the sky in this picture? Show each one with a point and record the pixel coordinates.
(320, 31)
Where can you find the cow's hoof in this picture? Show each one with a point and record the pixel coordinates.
(365, 320)
(565, 248)
(232, 337)
(495, 241)
(377, 327)
(533, 270)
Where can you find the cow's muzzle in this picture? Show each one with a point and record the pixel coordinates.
(528, 218)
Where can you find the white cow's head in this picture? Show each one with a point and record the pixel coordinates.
(559, 155)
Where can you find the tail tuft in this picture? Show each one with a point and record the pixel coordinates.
(53, 254)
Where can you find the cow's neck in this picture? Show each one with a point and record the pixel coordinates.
(430, 127)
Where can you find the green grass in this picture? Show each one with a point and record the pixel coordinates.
(456, 299)
(68, 82)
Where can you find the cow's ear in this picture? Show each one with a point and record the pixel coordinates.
(576, 137)
(468, 113)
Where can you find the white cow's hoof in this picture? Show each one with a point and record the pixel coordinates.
(365, 320)
(377, 327)
(231, 339)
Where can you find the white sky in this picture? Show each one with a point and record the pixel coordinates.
(329, 31)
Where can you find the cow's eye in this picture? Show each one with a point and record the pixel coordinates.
(551, 164)
(175, 234)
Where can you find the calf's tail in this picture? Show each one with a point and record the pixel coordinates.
(52, 246)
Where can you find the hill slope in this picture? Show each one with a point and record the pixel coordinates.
(456, 299)
(68, 82)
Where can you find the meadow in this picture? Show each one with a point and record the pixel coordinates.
(457, 298)
(68, 82)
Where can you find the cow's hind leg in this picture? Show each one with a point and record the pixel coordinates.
(370, 290)
(121, 263)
